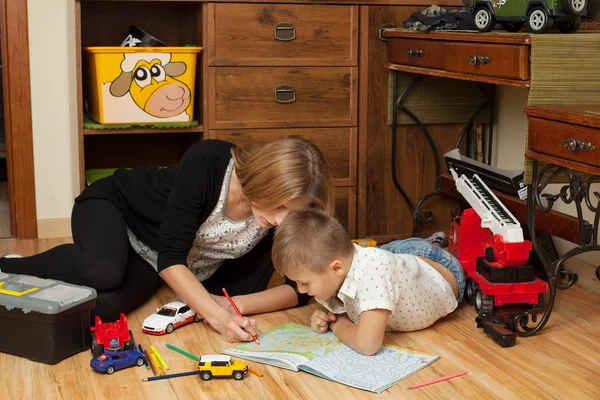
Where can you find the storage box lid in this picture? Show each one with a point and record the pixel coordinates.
(121, 50)
(29, 293)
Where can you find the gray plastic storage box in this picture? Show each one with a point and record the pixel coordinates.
(43, 319)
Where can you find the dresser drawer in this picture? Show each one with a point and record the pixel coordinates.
(337, 144)
(553, 137)
(494, 60)
(417, 52)
(282, 34)
(262, 97)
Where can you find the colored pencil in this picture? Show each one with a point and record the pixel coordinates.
(156, 364)
(185, 353)
(255, 372)
(443, 378)
(162, 362)
(156, 378)
(150, 362)
(238, 312)
(326, 313)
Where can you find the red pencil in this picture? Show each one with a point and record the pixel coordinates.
(443, 378)
(238, 312)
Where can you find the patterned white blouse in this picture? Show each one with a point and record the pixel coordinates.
(217, 239)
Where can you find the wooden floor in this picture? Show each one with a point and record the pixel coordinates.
(562, 362)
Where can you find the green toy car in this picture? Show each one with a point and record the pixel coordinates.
(540, 15)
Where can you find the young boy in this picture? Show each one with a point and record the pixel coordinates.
(405, 285)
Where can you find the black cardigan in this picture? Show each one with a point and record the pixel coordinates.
(164, 207)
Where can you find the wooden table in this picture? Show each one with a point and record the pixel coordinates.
(567, 139)
(496, 59)
(504, 59)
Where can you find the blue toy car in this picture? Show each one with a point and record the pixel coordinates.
(110, 362)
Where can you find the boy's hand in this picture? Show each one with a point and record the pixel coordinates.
(320, 320)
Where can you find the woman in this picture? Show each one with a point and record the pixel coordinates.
(203, 225)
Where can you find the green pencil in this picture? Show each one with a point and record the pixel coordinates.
(185, 353)
(327, 313)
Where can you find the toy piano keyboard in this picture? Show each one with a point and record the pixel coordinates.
(44, 320)
(502, 180)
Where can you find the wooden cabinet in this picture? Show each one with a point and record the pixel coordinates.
(274, 69)
(106, 23)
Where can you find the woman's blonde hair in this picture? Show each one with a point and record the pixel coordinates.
(309, 240)
(276, 172)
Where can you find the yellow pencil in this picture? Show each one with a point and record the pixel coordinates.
(163, 363)
(156, 364)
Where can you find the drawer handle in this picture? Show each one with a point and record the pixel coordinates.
(474, 60)
(284, 31)
(414, 52)
(285, 94)
(572, 145)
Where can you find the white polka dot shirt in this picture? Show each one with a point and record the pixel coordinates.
(412, 290)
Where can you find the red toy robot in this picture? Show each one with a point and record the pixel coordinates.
(111, 336)
(488, 241)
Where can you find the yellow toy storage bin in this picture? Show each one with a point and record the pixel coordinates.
(141, 85)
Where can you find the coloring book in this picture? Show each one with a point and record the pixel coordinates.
(299, 348)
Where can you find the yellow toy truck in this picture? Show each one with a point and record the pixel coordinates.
(218, 365)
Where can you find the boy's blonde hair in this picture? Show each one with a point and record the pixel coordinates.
(278, 171)
(309, 240)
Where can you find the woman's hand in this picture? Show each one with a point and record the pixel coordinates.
(320, 321)
(234, 328)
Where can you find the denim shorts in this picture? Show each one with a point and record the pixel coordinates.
(422, 248)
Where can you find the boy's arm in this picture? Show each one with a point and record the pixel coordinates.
(366, 337)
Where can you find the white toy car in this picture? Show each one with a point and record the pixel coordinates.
(168, 317)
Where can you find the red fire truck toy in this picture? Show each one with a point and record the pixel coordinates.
(111, 336)
(488, 241)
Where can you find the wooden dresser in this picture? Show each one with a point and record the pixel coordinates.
(299, 76)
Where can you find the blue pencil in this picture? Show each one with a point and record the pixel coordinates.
(155, 378)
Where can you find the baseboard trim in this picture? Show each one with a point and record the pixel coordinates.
(586, 272)
(51, 228)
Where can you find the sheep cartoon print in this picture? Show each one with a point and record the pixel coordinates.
(151, 81)
(147, 89)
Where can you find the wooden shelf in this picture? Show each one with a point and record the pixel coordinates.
(137, 131)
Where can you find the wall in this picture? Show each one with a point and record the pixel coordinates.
(54, 118)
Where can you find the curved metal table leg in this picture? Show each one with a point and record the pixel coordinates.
(577, 191)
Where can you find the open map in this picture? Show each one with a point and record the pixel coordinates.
(298, 347)
(293, 339)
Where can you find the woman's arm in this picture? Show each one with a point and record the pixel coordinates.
(193, 293)
(274, 299)
(366, 337)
